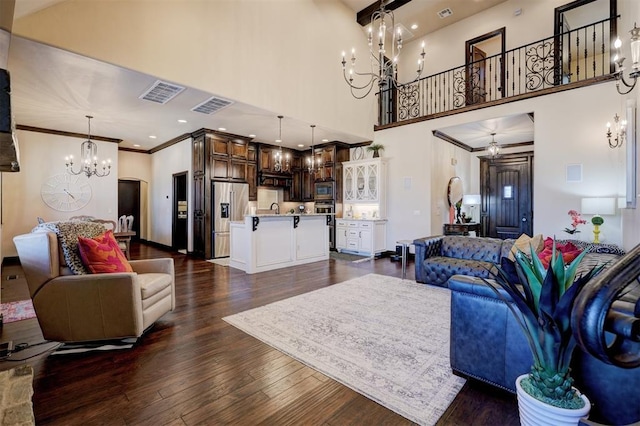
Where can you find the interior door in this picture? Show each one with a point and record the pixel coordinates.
(129, 202)
(476, 71)
(180, 209)
(507, 195)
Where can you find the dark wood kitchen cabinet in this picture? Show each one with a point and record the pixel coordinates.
(217, 156)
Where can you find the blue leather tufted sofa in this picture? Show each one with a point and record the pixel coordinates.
(441, 257)
(487, 344)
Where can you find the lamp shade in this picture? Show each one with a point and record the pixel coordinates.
(471, 199)
(606, 206)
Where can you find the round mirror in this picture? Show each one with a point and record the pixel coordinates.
(455, 192)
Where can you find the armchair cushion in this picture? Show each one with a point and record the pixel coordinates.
(102, 254)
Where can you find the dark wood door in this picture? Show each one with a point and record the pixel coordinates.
(476, 85)
(129, 202)
(507, 195)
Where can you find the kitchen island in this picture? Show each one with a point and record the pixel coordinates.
(263, 242)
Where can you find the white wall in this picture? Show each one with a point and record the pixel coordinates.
(164, 164)
(281, 56)
(569, 128)
(41, 156)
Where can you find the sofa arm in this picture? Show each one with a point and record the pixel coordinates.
(75, 308)
(145, 266)
(425, 247)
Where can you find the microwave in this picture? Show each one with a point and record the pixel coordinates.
(324, 190)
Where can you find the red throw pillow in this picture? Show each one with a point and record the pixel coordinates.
(569, 252)
(102, 254)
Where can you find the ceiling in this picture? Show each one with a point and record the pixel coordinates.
(75, 86)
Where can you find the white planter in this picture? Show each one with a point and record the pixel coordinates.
(537, 413)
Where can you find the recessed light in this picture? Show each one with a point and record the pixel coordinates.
(182, 121)
(300, 145)
(152, 136)
(222, 129)
(325, 140)
(136, 145)
(414, 26)
(252, 136)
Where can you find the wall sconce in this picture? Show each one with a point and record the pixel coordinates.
(620, 129)
(635, 58)
(598, 207)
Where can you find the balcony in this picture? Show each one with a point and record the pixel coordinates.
(569, 60)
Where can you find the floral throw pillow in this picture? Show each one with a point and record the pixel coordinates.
(102, 254)
(568, 250)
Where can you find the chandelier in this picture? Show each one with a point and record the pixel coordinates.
(280, 165)
(383, 68)
(620, 128)
(635, 58)
(311, 162)
(89, 158)
(493, 148)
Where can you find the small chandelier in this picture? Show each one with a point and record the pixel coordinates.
(279, 166)
(493, 148)
(383, 69)
(311, 162)
(89, 157)
(620, 128)
(635, 58)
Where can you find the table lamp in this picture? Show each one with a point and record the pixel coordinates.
(598, 207)
(471, 200)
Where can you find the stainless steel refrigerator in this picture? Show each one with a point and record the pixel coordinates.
(230, 202)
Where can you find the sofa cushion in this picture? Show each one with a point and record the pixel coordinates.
(439, 269)
(472, 248)
(525, 244)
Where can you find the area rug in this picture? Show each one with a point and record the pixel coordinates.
(224, 261)
(17, 311)
(348, 257)
(383, 337)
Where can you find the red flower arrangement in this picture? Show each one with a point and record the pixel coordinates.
(576, 220)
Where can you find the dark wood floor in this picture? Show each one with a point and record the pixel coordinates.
(193, 368)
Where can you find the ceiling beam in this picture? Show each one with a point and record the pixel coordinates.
(364, 16)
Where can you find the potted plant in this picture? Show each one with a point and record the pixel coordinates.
(543, 299)
(375, 148)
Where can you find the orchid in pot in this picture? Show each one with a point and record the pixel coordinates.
(543, 299)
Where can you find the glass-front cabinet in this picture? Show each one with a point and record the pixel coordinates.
(364, 184)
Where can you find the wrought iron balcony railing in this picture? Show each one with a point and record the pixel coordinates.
(579, 55)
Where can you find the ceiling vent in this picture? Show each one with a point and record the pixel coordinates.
(211, 105)
(161, 92)
(445, 13)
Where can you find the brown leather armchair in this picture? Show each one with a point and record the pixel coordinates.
(81, 308)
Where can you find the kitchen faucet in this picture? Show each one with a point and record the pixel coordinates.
(277, 207)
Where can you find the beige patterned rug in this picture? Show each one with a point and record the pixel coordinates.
(383, 337)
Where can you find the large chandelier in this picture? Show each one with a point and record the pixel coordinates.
(493, 148)
(282, 162)
(311, 161)
(635, 58)
(383, 68)
(89, 158)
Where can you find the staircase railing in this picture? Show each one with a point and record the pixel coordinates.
(577, 55)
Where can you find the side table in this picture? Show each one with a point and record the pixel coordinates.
(461, 228)
(405, 245)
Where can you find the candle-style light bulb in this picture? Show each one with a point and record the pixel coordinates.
(618, 43)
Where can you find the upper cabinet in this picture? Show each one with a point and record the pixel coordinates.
(365, 183)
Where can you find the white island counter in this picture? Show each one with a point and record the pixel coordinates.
(265, 242)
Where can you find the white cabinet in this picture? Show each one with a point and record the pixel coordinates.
(366, 237)
(365, 183)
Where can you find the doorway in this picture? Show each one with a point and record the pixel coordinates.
(507, 195)
(485, 77)
(180, 215)
(129, 203)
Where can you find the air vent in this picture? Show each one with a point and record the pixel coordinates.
(161, 92)
(211, 105)
(445, 13)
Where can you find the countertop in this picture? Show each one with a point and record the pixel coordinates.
(288, 214)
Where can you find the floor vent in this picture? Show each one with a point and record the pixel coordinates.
(445, 13)
(161, 92)
(211, 105)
